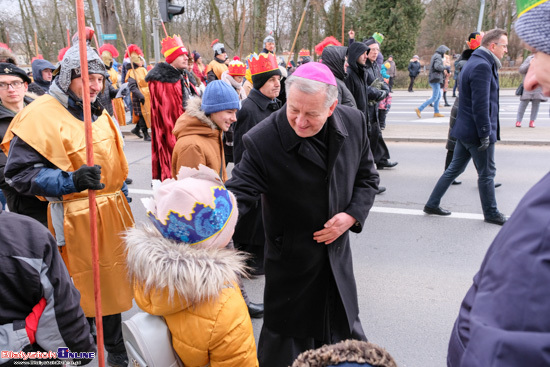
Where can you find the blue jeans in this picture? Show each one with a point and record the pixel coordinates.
(436, 95)
(486, 170)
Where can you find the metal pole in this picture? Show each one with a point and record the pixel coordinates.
(86, 104)
(156, 41)
(98, 22)
(480, 20)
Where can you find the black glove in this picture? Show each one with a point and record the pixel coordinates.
(87, 177)
(484, 144)
(124, 92)
(383, 94)
(142, 100)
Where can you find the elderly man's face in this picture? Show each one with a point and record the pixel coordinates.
(539, 73)
(306, 113)
(96, 85)
(374, 51)
(12, 89)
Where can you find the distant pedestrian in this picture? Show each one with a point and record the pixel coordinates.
(535, 97)
(392, 72)
(435, 77)
(414, 70)
(218, 65)
(42, 71)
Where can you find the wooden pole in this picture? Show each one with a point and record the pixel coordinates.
(343, 21)
(298, 32)
(36, 44)
(86, 104)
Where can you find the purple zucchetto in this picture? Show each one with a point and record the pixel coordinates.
(315, 71)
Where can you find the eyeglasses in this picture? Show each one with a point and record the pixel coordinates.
(14, 85)
(505, 45)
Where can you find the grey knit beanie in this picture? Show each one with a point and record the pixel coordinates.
(533, 26)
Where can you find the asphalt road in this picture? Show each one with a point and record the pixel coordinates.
(412, 270)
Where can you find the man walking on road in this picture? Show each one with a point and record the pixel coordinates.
(435, 78)
(477, 126)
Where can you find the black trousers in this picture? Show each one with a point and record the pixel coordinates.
(411, 85)
(276, 350)
(112, 332)
(390, 83)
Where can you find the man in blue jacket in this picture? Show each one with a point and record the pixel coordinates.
(504, 318)
(477, 126)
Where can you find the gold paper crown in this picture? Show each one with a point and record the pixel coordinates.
(262, 63)
(171, 44)
(236, 68)
(304, 52)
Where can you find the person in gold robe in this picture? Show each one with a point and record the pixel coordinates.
(108, 52)
(48, 159)
(141, 98)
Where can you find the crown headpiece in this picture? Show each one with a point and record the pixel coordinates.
(236, 68)
(171, 44)
(474, 43)
(304, 52)
(262, 63)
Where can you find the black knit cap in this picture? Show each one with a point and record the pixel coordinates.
(10, 69)
(259, 80)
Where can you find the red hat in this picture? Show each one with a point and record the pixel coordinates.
(236, 68)
(329, 41)
(262, 63)
(172, 47)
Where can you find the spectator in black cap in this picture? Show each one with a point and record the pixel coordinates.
(13, 88)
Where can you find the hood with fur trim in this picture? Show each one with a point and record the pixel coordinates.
(193, 121)
(164, 73)
(169, 270)
(360, 352)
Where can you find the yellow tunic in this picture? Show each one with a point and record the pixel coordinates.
(141, 72)
(118, 103)
(60, 138)
(217, 68)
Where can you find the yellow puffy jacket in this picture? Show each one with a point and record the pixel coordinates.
(196, 292)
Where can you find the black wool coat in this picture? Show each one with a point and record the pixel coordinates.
(300, 193)
(256, 107)
(357, 79)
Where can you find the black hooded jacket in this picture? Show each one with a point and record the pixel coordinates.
(334, 57)
(357, 78)
(40, 86)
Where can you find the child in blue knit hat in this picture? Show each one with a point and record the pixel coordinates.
(199, 130)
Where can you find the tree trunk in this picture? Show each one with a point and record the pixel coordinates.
(41, 39)
(218, 25)
(26, 30)
(143, 30)
(58, 19)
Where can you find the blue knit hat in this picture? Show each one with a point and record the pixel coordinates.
(219, 96)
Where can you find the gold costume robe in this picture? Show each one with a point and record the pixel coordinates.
(118, 103)
(52, 131)
(144, 89)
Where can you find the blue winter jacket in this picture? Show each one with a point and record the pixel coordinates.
(478, 107)
(504, 320)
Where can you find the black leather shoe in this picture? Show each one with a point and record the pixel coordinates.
(386, 164)
(455, 182)
(381, 189)
(136, 132)
(117, 359)
(500, 219)
(436, 211)
(498, 184)
(256, 310)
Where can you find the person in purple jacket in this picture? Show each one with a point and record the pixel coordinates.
(504, 320)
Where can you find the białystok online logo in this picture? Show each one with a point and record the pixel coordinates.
(62, 353)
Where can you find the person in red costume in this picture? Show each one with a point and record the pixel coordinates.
(170, 89)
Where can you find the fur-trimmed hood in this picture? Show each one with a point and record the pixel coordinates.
(164, 72)
(179, 271)
(359, 352)
(193, 121)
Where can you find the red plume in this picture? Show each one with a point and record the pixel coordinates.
(214, 42)
(109, 48)
(62, 53)
(133, 49)
(3, 45)
(89, 36)
(329, 41)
